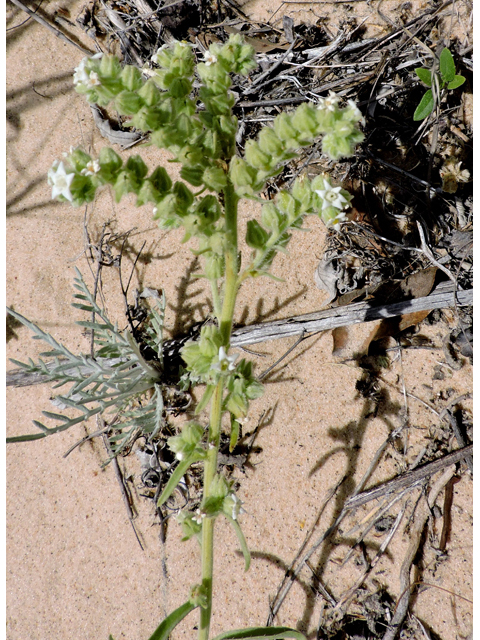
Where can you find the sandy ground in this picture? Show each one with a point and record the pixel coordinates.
(74, 567)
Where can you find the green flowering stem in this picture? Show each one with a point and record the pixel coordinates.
(210, 469)
(231, 263)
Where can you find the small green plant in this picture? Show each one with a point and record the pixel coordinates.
(445, 77)
(198, 128)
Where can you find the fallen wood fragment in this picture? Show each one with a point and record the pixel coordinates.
(443, 296)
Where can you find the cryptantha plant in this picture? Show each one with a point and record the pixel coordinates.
(198, 128)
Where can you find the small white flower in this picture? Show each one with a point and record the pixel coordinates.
(330, 103)
(331, 196)
(92, 167)
(93, 79)
(337, 222)
(225, 363)
(81, 76)
(180, 455)
(236, 506)
(209, 58)
(60, 181)
(198, 517)
(357, 114)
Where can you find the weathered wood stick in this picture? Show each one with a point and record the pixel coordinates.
(443, 296)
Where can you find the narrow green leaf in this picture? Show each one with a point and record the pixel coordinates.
(456, 82)
(177, 475)
(166, 627)
(447, 65)
(425, 106)
(241, 539)
(259, 633)
(234, 433)
(205, 398)
(425, 75)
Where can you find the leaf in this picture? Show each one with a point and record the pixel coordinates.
(425, 75)
(447, 65)
(456, 82)
(259, 633)
(425, 106)
(241, 539)
(178, 474)
(168, 625)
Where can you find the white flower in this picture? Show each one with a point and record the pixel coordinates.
(331, 196)
(198, 517)
(92, 167)
(225, 363)
(180, 455)
(81, 76)
(336, 223)
(234, 505)
(329, 103)
(209, 58)
(93, 79)
(60, 181)
(355, 111)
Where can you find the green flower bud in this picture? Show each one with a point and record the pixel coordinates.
(209, 210)
(232, 506)
(284, 129)
(287, 204)
(193, 175)
(110, 164)
(128, 103)
(256, 236)
(214, 266)
(270, 143)
(82, 190)
(186, 443)
(305, 121)
(131, 78)
(336, 147)
(161, 180)
(190, 527)
(165, 212)
(149, 93)
(147, 193)
(180, 87)
(198, 595)
(137, 167)
(79, 159)
(184, 197)
(109, 68)
(241, 174)
(302, 192)
(333, 218)
(256, 157)
(199, 356)
(214, 178)
(272, 218)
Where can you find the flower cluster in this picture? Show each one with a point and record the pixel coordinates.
(221, 500)
(277, 144)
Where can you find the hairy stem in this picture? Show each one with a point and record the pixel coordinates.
(225, 325)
